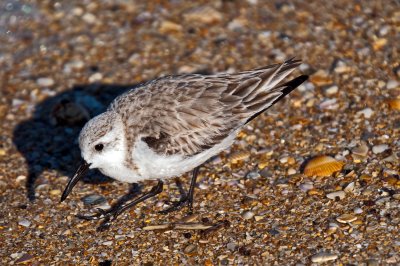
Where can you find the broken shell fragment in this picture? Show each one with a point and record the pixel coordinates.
(322, 166)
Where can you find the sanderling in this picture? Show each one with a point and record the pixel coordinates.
(173, 124)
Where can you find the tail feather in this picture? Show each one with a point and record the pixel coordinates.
(283, 90)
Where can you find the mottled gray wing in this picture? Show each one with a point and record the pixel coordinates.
(190, 113)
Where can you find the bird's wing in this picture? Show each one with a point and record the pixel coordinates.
(190, 113)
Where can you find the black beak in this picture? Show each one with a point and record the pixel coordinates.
(78, 175)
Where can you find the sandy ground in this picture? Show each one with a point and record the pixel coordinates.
(63, 62)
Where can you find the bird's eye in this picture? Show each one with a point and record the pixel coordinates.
(99, 147)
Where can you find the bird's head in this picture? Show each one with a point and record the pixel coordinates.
(102, 145)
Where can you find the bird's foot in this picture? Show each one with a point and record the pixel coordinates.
(108, 215)
(177, 205)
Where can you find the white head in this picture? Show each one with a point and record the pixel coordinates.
(102, 144)
(102, 141)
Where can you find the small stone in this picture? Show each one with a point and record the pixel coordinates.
(20, 178)
(379, 148)
(393, 259)
(291, 171)
(107, 243)
(89, 18)
(94, 199)
(231, 246)
(237, 24)
(203, 186)
(205, 15)
(24, 222)
(392, 84)
(379, 44)
(258, 218)
(323, 257)
(336, 195)
(321, 78)
(45, 82)
(190, 249)
(95, 77)
(331, 90)
(247, 215)
(314, 191)
(357, 210)
(169, 27)
(55, 192)
(306, 186)
(367, 113)
(346, 218)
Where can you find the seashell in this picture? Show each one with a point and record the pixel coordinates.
(394, 104)
(322, 166)
(247, 215)
(346, 218)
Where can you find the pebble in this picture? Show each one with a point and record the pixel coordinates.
(94, 199)
(331, 90)
(306, 186)
(190, 248)
(379, 148)
(24, 222)
(323, 257)
(107, 243)
(346, 218)
(45, 82)
(205, 15)
(20, 178)
(291, 171)
(95, 77)
(203, 186)
(392, 84)
(231, 246)
(247, 215)
(357, 210)
(367, 113)
(55, 192)
(89, 18)
(169, 27)
(337, 194)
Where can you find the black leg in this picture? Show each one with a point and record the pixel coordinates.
(186, 199)
(112, 214)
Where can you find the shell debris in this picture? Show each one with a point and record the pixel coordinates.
(322, 165)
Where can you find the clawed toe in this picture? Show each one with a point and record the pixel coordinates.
(176, 206)
(101, 214)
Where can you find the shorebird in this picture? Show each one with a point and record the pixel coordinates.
(173, 124)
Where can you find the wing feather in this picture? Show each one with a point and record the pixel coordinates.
(189, 113)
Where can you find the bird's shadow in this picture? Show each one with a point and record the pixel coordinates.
(48, 140)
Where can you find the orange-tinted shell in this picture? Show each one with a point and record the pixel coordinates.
(322, 166)
(394, 104)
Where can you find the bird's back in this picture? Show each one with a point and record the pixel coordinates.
(188, 114)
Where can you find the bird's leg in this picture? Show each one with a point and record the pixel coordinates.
(186, 199)
(110, 216)
(101, 213)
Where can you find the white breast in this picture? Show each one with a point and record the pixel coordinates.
(154, 166)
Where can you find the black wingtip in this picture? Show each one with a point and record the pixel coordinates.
(288, 87)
